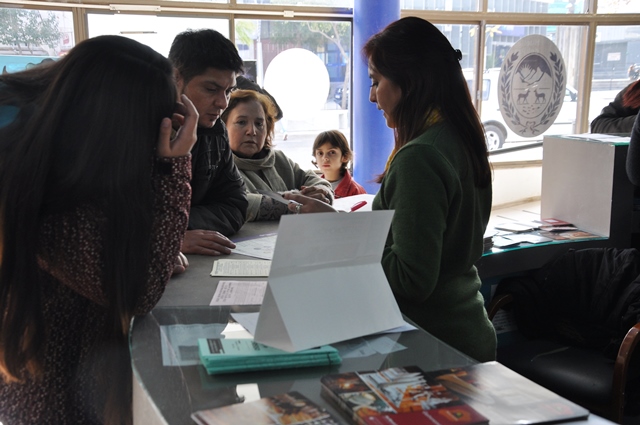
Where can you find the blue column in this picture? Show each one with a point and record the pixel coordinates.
(372, 139)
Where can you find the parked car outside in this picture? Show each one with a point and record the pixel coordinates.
(337, 97)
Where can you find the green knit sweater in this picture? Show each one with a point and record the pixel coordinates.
(435, 239)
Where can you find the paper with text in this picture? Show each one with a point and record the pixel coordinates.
(240, 268)
(259, 247)
(235, 292)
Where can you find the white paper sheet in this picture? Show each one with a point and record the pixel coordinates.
(326, 283)
(236, 331)
(346, 203)
(235, 292)
(361, 347)
(240, 268)
(276, 196)
(249, 321)
(260, 247)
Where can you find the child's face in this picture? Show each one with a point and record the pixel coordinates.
(329, 158)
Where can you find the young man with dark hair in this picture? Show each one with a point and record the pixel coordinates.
(206, 65)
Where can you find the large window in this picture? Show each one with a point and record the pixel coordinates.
(156, 32)
(284, 43)
(29, 37)
(500, 132)
(305, 65)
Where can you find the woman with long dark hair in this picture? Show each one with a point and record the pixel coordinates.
(438, 181)
(94, 199)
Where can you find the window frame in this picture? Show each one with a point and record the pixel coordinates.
(482, 19)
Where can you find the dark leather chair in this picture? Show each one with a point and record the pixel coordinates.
(580, 319)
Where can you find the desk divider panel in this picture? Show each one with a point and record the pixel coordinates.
(578, 181)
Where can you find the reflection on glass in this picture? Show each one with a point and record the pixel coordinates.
(500, 38)
(156, 32)
(30, 37)
(539, 6)
(305, 65)
(616, 64)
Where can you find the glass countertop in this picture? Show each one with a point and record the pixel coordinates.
(178, 391)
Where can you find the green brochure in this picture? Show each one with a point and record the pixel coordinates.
(238, 355)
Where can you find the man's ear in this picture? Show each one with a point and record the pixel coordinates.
(177, 76)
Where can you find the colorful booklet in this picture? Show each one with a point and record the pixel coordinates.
(398, 396)
(467, 395)
(290, 408)
(242, 355)
(555, 222)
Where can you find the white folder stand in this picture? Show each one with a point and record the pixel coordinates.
(326, 282)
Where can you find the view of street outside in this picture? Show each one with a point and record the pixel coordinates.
(299, 142)
(259, 41)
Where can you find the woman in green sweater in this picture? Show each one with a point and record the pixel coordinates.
(438, 181)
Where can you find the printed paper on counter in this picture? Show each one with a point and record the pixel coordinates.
(234, 292)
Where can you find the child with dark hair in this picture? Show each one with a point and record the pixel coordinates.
(332, 155)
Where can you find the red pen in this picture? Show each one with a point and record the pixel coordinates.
(358, 205)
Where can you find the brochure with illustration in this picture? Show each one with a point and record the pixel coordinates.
(291, 408)
(489, 389)
(398, 396)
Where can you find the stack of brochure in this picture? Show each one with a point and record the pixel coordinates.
(487, 240)
(466, 395)
(241, 355)
(282, 409)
